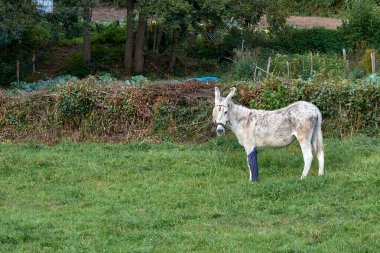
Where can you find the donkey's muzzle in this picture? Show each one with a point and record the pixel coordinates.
(220, 128)
(220, 131)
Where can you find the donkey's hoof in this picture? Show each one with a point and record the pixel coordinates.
(303, 177)
(321, 174)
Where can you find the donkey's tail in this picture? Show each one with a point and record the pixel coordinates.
(317, 142)
(317, 139)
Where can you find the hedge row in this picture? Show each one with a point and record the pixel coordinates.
(85, 111)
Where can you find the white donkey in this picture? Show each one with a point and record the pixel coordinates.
(278, 128)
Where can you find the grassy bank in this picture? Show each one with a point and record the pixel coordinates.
(179, 198)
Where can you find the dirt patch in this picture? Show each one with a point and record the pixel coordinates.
(108, 13)
(308, 22)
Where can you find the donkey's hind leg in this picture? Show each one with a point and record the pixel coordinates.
(307, 156)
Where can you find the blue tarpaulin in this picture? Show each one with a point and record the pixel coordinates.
(204, 79)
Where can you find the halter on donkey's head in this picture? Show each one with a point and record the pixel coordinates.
(220, 112)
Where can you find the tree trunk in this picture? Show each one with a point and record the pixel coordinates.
(86, 31)
(191, 39)
(173, 56)
(139, 45)
(159, 37)
(128, 52)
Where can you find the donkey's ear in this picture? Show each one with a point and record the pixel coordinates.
(232, 93)
(217, 95)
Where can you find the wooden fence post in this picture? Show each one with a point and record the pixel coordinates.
(345, 60)
(18, 70)
(268, 66)
(373, 62)
(34, 61)
(311, 64)
(288, 67)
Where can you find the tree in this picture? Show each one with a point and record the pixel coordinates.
(139, 45)
(128, 52)
(362, 25)
(83, 9)
(21, 32)
(182, 17)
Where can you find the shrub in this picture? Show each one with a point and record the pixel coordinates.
(86, 110)
(303, 66)
(365, 62)
(75, 65)
(363, 22)
(346, 107)
(112, 34)
(305, 40)
(43, 84)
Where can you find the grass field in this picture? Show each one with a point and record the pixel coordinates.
(179, 198)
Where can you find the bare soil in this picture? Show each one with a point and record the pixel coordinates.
(309, 22)
(108, 13)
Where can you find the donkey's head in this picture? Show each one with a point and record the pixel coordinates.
(220, 112)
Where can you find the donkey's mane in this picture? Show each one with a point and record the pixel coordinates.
(240, 108)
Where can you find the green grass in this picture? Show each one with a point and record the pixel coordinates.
(180, 198)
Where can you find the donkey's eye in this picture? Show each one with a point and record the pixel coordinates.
(225, 112)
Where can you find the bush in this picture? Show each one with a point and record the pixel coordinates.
(305, 40)
(43, 84)
(302, 66)
(366, 62)
(76, 66)
(85, 110)
(362, 26)
(292, 40)
(346, 107)
(110, 34)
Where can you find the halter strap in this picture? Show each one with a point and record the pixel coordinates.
(221, 124)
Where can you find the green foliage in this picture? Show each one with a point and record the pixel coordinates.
(112, 34)
(75, 102)
(105, 56)
(277, 12)
(14, 19)
(302, 66)
(361, 28)
(43, 84)
(205, 49)
(306, 40)
(244, 68)
(346, 107)
(137, 81)
(319, 7)
(366, 62)
(64, 22)
(75, 65)
(177, 112)
(373, 79)
(146, 197)
(37, 35)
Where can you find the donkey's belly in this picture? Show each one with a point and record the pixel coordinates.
(275, 141)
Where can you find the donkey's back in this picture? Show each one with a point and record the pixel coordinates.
(280, 127)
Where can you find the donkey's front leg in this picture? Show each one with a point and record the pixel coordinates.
(253, 166)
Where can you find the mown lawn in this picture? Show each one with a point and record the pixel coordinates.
(180, 198)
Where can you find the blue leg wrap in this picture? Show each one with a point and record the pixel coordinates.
(252, 161)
